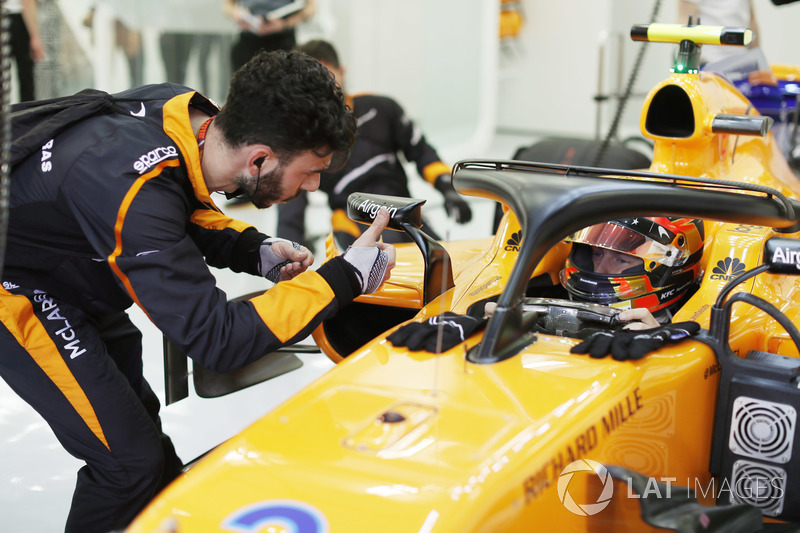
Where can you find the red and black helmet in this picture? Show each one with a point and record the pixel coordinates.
(670, 249)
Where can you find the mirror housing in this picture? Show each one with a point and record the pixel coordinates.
(362, 208)
(782, 255)
(405, 214)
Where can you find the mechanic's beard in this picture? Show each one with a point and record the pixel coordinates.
(266, 189)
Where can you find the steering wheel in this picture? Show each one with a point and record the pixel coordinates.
(567, 318)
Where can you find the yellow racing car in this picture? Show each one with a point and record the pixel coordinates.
(508, 430)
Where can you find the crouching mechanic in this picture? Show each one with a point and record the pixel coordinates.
(115, 209)
(386, 136)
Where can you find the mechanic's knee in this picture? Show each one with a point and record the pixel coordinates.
(145, 473)
(139, 471)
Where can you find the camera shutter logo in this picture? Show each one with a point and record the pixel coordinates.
(585, 509)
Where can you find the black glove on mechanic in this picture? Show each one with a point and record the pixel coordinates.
(424, 335)
(455, 205)
(625, 344)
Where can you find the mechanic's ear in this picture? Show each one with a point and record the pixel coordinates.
(261, 155)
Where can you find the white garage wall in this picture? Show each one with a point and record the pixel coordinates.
(551, 90)
(780, 38)
(442, 60)
(437, 58)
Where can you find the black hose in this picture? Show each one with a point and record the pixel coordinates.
(612, 131)
(5, 131)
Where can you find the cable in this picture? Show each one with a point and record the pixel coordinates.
(612, 131)
(5, 131)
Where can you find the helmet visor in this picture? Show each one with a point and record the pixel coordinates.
(620, 239)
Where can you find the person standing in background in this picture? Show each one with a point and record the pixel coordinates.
(731, 13)
(259, 33)
(129, 41)
(176, 49)
(26, 46)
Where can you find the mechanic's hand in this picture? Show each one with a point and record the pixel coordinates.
(762, 77)
(372, 261)
(37, 49)
(425, 335)
(640, 318)
(457, 208)
(281, 260)
(269, 27)
(629, 344)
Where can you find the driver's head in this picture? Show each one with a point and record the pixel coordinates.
(649, 262)
(605, 261)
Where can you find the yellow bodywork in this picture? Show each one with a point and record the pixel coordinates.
(399, 441)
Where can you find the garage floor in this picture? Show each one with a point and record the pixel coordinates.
(37, 476)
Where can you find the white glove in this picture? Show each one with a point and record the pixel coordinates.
(270, 263)
(370, 264)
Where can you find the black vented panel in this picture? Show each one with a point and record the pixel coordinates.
(759, 450)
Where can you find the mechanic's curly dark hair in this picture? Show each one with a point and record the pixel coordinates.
(290, 102)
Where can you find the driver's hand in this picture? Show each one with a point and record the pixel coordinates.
(639, 318)
(635, 318)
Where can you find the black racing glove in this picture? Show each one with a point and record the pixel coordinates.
(625, 344)
(457, 208)
(424, 335)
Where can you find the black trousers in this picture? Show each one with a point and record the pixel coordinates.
(249, 44)
(84, 377)
(20, 41)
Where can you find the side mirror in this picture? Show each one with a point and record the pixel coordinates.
(782, 255)
(406, 215)
(363, 207)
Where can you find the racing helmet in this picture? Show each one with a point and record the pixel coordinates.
(670, 249)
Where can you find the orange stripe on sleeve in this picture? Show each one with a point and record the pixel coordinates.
(207, 218)
(434, 170)
(16, 313)
(291, 305)
(123, 210)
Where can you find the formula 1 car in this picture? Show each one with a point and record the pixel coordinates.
(508, 430)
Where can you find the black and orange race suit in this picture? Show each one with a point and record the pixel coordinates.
(385, 134)
(110, 212)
